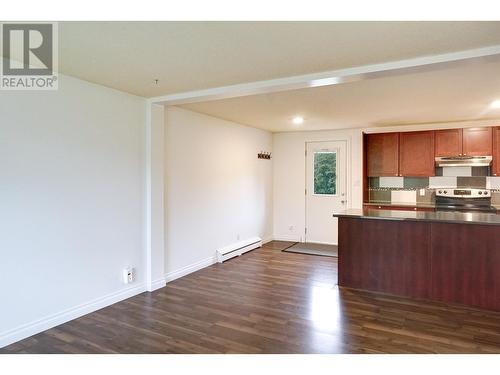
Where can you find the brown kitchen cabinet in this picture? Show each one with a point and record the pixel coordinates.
(382, 154)
(448, 142)
(496, 152)
(465, 261)
(416, 154)
(477, 141)
(385, 256)
(452, 262)
(464, 142)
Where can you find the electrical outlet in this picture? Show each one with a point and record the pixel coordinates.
(422, 192)
(128, 275)
(237, 237)
(291, 228)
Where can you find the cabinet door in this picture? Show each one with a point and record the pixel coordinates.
(465, 262)
(416, 154)
(382, 154)
(448, 142)
(385, 256)
(477, 141)
(496, 152)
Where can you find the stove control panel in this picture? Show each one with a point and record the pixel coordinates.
(463, 193)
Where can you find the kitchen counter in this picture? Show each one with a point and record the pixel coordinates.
(442, 256)
(408, 205)
(430, 216)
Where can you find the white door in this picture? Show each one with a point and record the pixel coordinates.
(326, 170)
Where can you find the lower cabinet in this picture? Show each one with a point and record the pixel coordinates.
(386, 256)
(455, 263)
(466, 264)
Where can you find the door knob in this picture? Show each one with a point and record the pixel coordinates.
(343, 201)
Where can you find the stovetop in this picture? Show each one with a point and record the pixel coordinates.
(464, 200)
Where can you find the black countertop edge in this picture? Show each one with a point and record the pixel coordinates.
(409, 206)
(430, 216)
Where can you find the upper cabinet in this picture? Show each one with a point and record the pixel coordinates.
(464, 142)
(416, 154)
(496, 152)
(448, 142)
(477, 141)
(412, 154)
(382, 154)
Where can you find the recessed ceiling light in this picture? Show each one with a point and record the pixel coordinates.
(298, 120)
(495, 104)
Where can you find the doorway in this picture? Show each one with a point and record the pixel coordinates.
(326, 170)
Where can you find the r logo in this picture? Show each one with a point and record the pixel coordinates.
(27, 49)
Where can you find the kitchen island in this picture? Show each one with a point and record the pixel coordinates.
(443, 256)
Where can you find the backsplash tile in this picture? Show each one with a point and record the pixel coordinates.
(492, 182)
(406, 190)
(429, 198)
(471, 182)
(391, 182)
(415, 182)
(442, 182)
(457, 171)
(495, 198)
(481, 171)
(403, 197)
(373, 182)
(380, 196)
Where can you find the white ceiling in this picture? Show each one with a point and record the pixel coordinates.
(442, 95)
(187, 56)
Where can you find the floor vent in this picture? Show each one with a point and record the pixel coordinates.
(238, 248)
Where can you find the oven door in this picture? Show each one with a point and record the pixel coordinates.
(464, 204)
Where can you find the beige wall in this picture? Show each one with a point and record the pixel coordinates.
(289, 177)
(72, 203)
(216, 190)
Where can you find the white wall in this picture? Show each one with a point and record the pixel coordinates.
(216, 188)
(289, 177)
(71, 203)
(155, 202)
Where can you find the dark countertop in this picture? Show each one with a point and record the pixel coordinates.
(437, 216)
(409, 205)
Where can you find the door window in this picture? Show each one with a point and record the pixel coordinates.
(325, 173)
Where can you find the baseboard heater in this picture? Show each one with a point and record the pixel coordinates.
(238, 248)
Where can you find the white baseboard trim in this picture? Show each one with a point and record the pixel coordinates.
(157, 284)
(286, 237)
(267, 239)
(171, 276)
(30, 329)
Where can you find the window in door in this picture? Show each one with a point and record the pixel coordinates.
(325, 173)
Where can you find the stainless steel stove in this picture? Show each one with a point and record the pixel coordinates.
(464, 200)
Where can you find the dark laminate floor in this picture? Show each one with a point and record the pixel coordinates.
(269, 301)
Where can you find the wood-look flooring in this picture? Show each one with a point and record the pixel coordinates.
(268, 301)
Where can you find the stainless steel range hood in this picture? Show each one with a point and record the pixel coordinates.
(464, 161)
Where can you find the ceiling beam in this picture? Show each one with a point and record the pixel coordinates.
(335, 77)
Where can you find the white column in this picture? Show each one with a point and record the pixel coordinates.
(155, 213)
